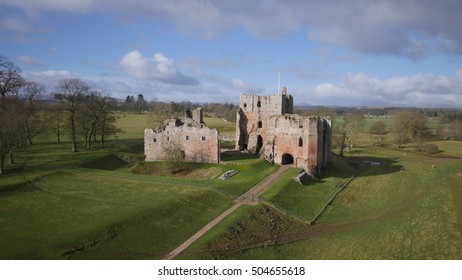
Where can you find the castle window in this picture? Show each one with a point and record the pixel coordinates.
(245, 105)
(260, 124)
(204, 138)
(300, 142)
(168, 138)
(300, 124)
(154, 140)
(187, 137)
(258, 104)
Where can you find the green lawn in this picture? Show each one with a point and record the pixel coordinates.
(91, 205)
(408, 207)
(64, 214)
(305, 201)
(225, 128)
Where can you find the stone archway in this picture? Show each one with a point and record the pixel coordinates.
(287, 159)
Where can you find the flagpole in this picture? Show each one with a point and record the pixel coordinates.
(279, 78)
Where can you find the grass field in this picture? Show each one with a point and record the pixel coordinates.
(65, 215)
(90, 205)
(408, 207)
(100, 204)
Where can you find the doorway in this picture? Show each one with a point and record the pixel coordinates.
(259, 144)
(287, 159)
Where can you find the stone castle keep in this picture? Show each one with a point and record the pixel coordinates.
(265, 125)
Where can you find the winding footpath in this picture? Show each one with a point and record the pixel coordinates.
(251, 197)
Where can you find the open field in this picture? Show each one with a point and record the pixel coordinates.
(408, 207)
(51, 207)
(66, 215)
(96, 204)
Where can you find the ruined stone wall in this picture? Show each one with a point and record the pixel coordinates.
(293, 139)
(194, 141)
(252, 117)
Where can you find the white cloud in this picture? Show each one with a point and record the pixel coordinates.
(242, 86)
(158, 68)
(15, 23)
(420, 90)
(27, 60)
(411, 28)
(49, 78)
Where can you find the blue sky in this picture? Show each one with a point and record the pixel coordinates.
(343, 53)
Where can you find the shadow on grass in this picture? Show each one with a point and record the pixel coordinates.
(236, 156)
(108, 162)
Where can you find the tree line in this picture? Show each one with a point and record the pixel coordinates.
(79, 112)
(404, 125)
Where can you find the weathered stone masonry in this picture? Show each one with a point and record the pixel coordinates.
(267, 125)
(189, 136)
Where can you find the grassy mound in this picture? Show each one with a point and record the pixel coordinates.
(108, 162)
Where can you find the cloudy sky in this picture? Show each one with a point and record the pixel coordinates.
(350, 53)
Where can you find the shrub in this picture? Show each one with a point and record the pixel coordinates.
(429, 148)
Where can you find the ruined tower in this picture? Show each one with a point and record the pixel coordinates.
(266, 125)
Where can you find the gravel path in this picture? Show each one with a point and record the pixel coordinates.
(249, 198)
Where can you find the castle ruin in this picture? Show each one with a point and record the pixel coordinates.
(266, 125)
(188, 137)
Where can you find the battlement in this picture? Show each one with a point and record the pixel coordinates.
(278, 104)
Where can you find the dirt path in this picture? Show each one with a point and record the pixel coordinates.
(250, 198)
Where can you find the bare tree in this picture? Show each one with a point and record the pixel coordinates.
(454, 130)
(97, 118)
(10, 128)
(72, 92)
(342, 142)
(161, 111)
(11, 82)
(174, 157)
(10, 79)
(32, 91)
(377, 128)
(54, 120)
(89, 117)
(354, 124)
(107, 118)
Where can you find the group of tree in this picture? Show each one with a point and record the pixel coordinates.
(89, 113)
(16, 110)
(405, 126)
(80, 112)
(132, 105)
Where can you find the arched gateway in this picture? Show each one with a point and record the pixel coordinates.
(287, 159)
